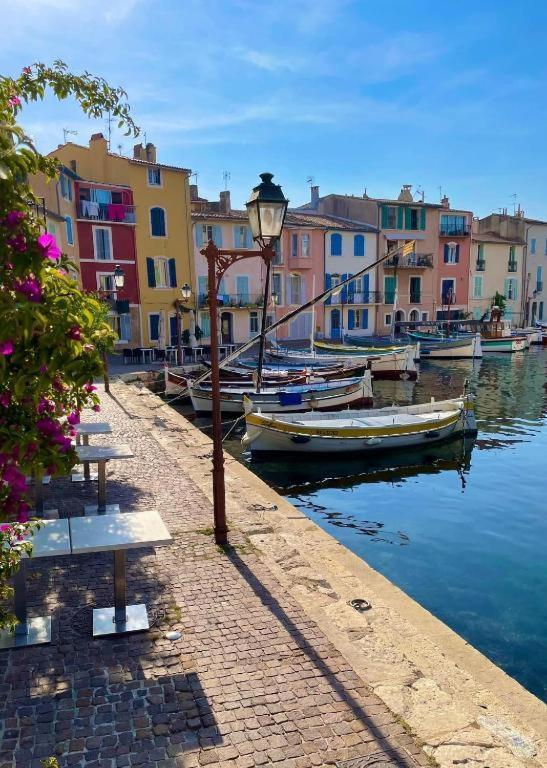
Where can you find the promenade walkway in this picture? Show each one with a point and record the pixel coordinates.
(252, 681)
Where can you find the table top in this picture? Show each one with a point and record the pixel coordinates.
(52, 539)
(93, 428)
(101, 533)
(95, 453)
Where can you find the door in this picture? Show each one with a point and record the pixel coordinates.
(226, 327)
(415, 290)
(173, 331)
(448, 295)
(335, 324)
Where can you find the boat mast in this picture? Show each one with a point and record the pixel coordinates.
(263, 325)
(312, 314)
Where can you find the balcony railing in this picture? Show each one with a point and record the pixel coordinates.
(455, 231)
(365, 297)
(512, 266)
(117, 212)
(234, 300)
(411, 261)
(480, 265)
(415, 298)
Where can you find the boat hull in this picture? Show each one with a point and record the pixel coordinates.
(267, 435)
(455, 349)
(399, 364)
(504, 344)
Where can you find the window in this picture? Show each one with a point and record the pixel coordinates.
(161, 273)
(336, 244)
(66, 187)
(69, 232)
(304, 245)
(453, 225)
(388, 319)
(296, 289)
(278, 258)
(415, 290)
(242, 237)
(477, 287)
(512, 266)
(390, 218)
(121, 324)
(414, 316)
(533, 245)
(102, 243)
(277, 288)
(448, 291)
(414, 217)
(425, 317)
(154, 326)
(539, 278)
(253, 322)
(451, 253)
(105, 282)
(207, 233)
(205, 324)
(480, 265)
(294, 246)
(154, 177)
(359, 245)
(157, 222)
(511, 289)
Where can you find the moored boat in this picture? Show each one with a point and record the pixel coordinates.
(393, 364)
(504, 344)
(328, 395)
(356, 431)
(450, 348)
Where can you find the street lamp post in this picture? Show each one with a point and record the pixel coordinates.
(267, 207)
(119, 281)
(186, 293)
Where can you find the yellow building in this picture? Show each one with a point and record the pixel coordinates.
(497, 265)
(161, 198)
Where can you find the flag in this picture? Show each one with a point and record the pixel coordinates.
(408, 248)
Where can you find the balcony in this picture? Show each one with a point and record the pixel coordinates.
(300, 262)
(415, 298)
(539, 287)
(115, 212)
(368, 297)
(512, 266)
(480, 266)
(234, 300)
(451, 231)
(412, 261)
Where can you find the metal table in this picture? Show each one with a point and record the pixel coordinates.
(150, 351)
(118, 533)
(50, 541)
(100, 454)
(82, 438)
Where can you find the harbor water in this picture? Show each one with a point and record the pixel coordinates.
(461, 527)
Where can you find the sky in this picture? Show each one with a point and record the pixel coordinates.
(354, 94)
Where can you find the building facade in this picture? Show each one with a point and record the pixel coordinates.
(159, 215)
(535, 295)
(496, 267)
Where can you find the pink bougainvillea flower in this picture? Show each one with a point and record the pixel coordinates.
(29, 287)
(88, 347)
(12, 219)
(5, 527)
(5, 399)
(73, 418)
(48, 244)
(18, 243)
(89, 387)
(15, 101)
(27, 71)
(96, 408)
(6, 347)
(42, 369)
(75, 333)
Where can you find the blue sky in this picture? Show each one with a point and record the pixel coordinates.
(353, 93)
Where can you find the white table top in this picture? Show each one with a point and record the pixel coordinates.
(52, 539)
(102, 533)
(91, 428)
(94, 453)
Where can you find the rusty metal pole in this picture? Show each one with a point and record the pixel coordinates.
(179, 332)
(219, 497)
(267, 255)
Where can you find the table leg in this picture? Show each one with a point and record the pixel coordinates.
(20, 599)
(34, 631)
(87, 470)
(101, 495)
(120, 616)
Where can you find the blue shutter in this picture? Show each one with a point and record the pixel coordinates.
(217, 235)
(358, 245)
(202, 288)
(366, 292)
(446, 252)
(515, 289)
(351, 319)
(506, 287)
(344, 295)
(351, 290)
(364, 318)
(154, 327)
(157, 222)
(237, 242)
(125, 327)
(248, 238)
(328, 284)
(69, 233)
(173, 273)
(150, 271)
(242, 288)
(457, 253)
(336, 244)
(173, 331)
(198, 229)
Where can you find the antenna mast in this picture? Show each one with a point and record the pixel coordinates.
(225, 177)
(67, 132)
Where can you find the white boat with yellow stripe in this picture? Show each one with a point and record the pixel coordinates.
(356, 431)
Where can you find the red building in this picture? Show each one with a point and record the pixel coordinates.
(106, 237)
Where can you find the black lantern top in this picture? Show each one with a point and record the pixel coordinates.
(119, 277)
(186, 292)
(267, 207)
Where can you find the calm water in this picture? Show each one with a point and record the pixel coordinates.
(462, 528)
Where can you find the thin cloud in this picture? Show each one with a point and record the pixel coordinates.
(268, 61)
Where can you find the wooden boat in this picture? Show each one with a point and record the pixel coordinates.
(356, 431)
(449, 348)
(328, 395)
(245, 371)
(504, 344)
(393, 364)
(534, 335)
(176, 382)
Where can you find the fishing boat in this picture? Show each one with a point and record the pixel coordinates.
(534, 335)
(504, 344)
(356, 431)
(328, 395)
(450, 348)
(246, 370)
(177, 381)
(393, 364)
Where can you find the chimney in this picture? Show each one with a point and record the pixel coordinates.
(150, 152)
(225, 204)
(139, 152)
(314, 197)
(405, 195)
(194, 192)
(97, 140)
(445, 202)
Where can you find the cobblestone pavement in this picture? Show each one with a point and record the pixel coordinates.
(251, 682)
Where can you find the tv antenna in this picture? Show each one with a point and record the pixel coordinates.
(109, 120)
(420, 191)
(514, 196)
(310, 180)
(195, 174)
(440, 193)
(68, 132)
(226, 179)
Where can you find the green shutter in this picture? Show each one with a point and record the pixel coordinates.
(407, 218)
(516, 291)
(384, 217)
(400, 217)
(506, 287)
(422, 218)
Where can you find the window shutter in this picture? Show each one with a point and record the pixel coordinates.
(217, 235)
(358, 245)
(351, 319)
(125, 327)
(457, 253)
(150, 272)
(515, 289)
(384, 217)
(248, 238)
(202, 287)
(173, 331)
(154, 327)
(198, 229)
(364, 318)
(407, 218)
(173, 273)
(237, 243)
(366, 284)
(422, 218)
(400, 217)
(288, 290)
(69, 234)
(506, 287)
(336, 244)
(446, 252)
(328, 284)
(344, 289)
(302, 289)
